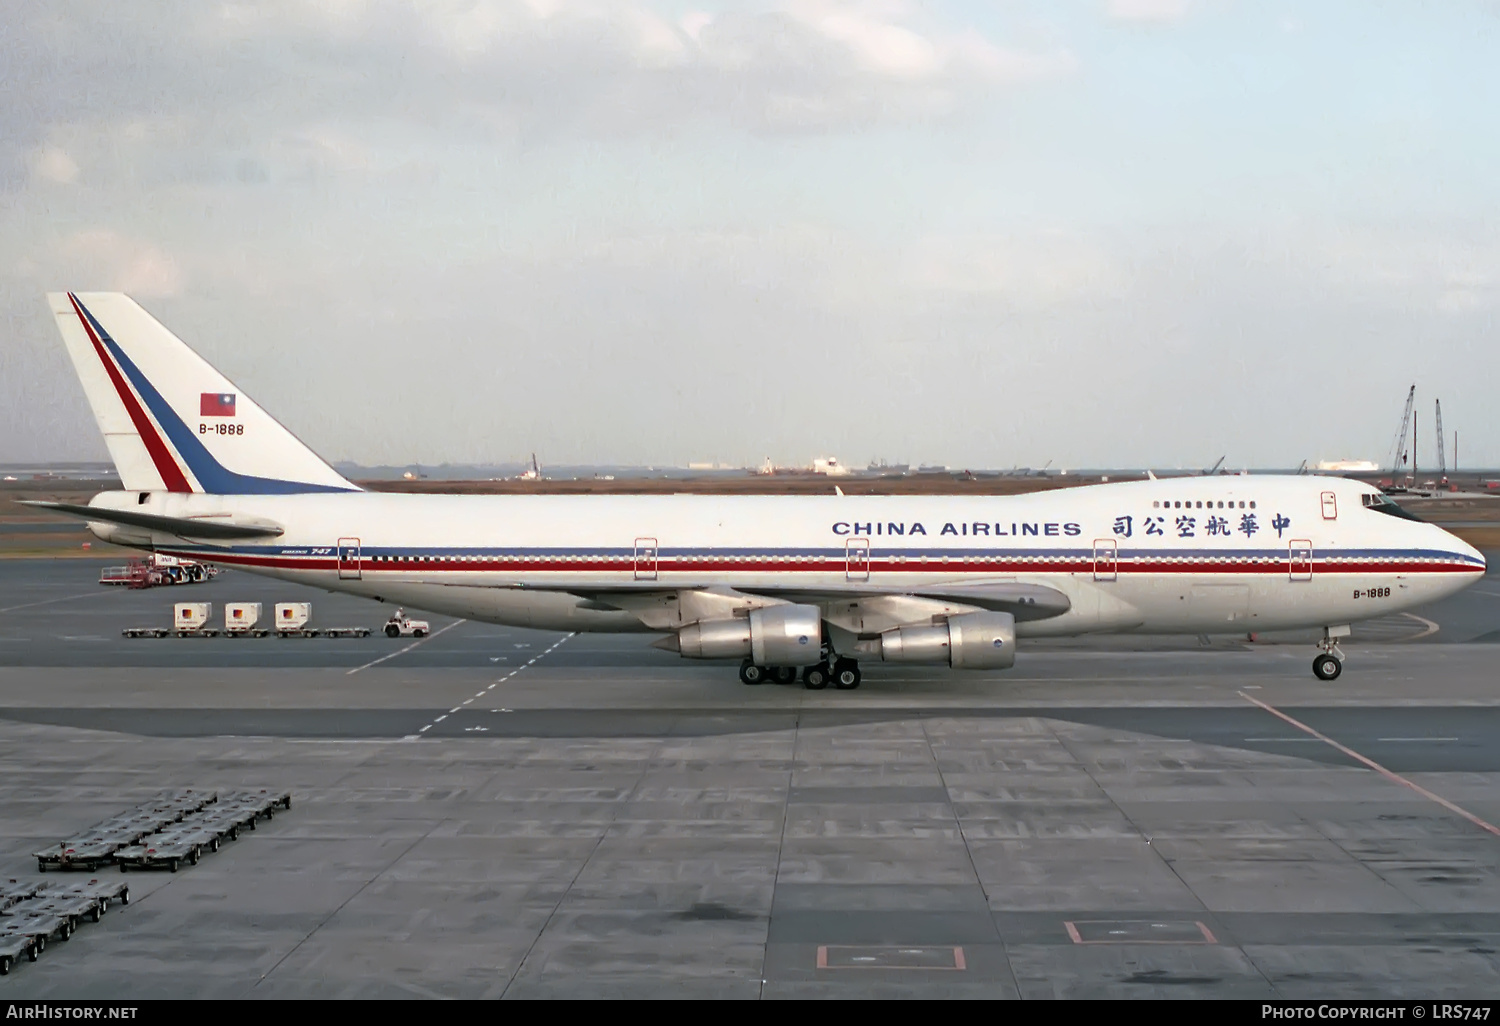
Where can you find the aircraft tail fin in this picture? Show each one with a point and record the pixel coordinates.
(171, 421)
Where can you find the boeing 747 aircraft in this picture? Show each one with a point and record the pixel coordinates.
(780, 583)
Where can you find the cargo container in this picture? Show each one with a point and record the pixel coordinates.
(292, 619)
(240, 618)
(192, 618)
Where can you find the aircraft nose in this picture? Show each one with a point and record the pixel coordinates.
(1480, 563)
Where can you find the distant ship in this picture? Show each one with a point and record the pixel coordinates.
(882, 467)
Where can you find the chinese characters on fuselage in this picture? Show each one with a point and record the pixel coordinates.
(1211, 526)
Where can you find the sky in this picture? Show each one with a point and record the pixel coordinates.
(985, 234)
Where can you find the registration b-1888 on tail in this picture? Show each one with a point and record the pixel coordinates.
(816, 585)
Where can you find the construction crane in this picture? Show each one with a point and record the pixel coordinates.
(1211, 471)
(1442, 462)
(1398, 448)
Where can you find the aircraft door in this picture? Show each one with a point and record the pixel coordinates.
(857, 559)
(349, 563)
(1106, 559)
(645, 559)
(1330, 506)
(1300, 560)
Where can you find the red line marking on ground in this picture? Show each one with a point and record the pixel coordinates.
(1372, 764)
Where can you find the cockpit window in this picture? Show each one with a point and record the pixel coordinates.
(1385, 504)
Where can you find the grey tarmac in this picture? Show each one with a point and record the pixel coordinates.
(508, 813)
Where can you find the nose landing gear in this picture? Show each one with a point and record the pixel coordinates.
(1331, 663)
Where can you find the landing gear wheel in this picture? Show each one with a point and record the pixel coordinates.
(815, 678)
(784, 674)
(392, 631)
(846, 676)
(752, 674)
(1327, 667)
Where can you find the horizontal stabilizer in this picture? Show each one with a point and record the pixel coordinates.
(221, 527)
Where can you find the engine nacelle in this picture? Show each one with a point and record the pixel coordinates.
(772, 636)
(971, 641)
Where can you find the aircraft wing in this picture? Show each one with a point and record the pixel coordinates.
(665, 608)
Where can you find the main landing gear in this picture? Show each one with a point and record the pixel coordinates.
(1330, 664)
(841, 673)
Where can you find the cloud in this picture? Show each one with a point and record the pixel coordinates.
(1148, 10)
(103, 259)
(234, 75)
(53, 164)
(1449, 271)
(1027, 270)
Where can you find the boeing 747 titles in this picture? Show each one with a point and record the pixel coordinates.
(782, 584)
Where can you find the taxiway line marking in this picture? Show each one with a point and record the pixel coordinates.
(48, 602)
(1390, 775)
(1416, 739)
(1429, 628)
(477, 694)
(401, 651)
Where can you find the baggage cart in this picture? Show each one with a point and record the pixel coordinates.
(12, 891)
(158, 852)
(73, 907)
(39, 926)
(87, 855)
(12, 947)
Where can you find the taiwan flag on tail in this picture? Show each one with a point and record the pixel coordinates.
(216, 404)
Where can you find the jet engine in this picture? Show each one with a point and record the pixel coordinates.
(970, 641)
(771, 636)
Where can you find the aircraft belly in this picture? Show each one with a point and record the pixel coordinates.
(512, 607)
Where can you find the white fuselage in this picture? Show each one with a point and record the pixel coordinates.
(1203, 555)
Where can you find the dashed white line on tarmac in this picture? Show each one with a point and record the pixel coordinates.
(480, 694)
(48, 602)
(1372, 764)
(401, 651)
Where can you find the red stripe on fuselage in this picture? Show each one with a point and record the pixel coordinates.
(166, 466)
